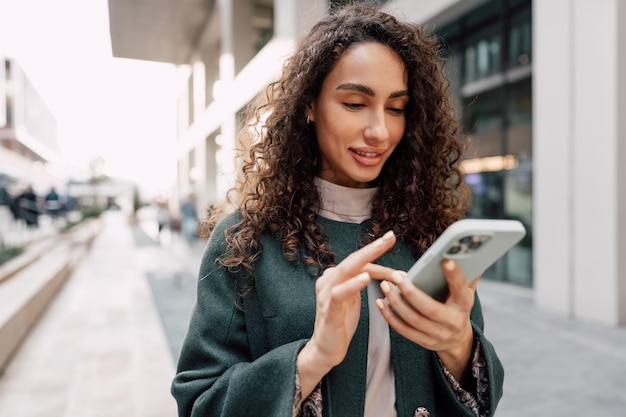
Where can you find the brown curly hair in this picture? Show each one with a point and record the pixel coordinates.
(421, 189)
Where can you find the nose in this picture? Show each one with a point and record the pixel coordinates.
(377, 129)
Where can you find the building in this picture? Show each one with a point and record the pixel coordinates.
(29, 152)
(541, 91)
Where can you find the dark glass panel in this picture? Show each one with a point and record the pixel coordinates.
(482, 123)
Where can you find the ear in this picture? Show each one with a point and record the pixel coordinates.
(310, 112)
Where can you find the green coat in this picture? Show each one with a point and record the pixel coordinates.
(242, 362)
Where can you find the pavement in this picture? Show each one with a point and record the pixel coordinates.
(100, 349)
(108, 342)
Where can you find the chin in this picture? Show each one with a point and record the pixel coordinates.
(363, 182)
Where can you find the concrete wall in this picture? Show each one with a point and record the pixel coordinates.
(621, 155)
(241, 76)
(578, 189)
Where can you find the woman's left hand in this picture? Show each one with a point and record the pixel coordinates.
(441, 327)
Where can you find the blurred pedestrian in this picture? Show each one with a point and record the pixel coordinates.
(162, 216)
(6, 215)
(15, 211)
(53, 204)
(189, 219)
(303, 306)
(28, 207)
(5, 197)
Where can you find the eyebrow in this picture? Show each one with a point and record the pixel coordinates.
(368, 91)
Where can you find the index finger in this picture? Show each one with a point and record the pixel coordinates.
(357, 260)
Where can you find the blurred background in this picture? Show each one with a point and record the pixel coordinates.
(132, 106)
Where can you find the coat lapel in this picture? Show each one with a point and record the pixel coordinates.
(410, 363)
(344, 386)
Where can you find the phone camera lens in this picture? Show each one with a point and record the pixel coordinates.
(465, 239)
(475, 245)
(454, 250)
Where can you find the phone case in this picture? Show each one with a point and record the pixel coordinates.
(475, 244)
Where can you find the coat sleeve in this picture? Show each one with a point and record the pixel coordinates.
(216, 375)
(494, 370)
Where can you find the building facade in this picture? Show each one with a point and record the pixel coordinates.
(540, 89)
(29, 152)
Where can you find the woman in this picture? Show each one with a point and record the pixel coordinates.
(303, 307)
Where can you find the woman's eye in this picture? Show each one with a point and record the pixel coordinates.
(353, 105)
(396, 110)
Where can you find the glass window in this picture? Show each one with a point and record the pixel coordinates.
(9, 111)
(482, 55)
(496, 119)
(520, 45)
(263, 24)
(482, 123)
(452, 71)
(506, 194)
(518, 182)
(519, 126)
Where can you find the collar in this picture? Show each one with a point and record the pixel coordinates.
(352, 205)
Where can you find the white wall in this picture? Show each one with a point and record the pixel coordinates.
(621, 152)
(553, 127)
(577, 191)
(292, 18)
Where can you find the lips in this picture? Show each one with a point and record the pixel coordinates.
(367, 157)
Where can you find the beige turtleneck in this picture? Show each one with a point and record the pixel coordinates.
(354, 205)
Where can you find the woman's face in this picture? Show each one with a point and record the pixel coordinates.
(359, 115)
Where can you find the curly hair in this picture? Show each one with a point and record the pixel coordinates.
(420, 188)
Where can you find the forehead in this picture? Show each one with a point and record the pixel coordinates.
(372, 64)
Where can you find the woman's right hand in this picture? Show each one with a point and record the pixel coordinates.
(338, 307)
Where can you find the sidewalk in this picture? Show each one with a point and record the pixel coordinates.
(553, 366)
(99, 349)
(108, 342)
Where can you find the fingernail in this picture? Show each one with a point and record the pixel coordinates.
(380, 303)
(448, 265)
(385, 287)
(385, 238)
(398, 276)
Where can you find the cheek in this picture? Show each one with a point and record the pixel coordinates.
(326, 141)
(397, 132)
(330, 130)
(334, 119)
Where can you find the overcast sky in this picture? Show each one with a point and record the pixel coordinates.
(122, 110)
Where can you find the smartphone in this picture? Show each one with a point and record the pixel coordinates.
(475, 244)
